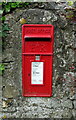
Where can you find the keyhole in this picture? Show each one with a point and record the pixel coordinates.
(29, 74)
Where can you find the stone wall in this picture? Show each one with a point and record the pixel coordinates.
(62, 104)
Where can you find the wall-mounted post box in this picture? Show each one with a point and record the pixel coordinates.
(37, 54)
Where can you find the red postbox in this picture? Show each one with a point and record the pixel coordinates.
(37, 54)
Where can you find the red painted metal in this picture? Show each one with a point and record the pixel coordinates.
(37, 39)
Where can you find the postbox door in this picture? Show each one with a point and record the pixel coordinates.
(42, 86)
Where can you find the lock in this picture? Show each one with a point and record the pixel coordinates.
(37, 57)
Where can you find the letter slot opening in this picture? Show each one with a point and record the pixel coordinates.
(37, 39)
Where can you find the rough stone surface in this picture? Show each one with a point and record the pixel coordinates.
(74, 113)
(62, 104)
(73, 97)
(74, 104)
(67, 104)
(10, 91)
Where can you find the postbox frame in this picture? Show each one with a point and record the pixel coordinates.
(31, 54)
